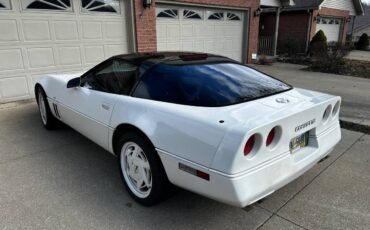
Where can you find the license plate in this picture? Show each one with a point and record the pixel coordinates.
(299, 142)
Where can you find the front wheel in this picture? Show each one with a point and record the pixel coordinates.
(141, 169)
(47, 118)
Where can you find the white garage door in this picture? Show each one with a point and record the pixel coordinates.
(201, 30)
(330, 26)
(55, 36)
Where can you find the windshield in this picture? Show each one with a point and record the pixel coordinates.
(208, 85)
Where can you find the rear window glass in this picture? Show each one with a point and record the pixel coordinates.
(208, 85)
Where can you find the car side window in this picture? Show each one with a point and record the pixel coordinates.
(116, 77)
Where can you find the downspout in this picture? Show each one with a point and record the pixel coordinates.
(353, 27)
(308, 30)
(276, 34)
(132, 27)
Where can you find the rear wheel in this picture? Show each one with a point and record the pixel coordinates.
(141, 170)
(47, 118)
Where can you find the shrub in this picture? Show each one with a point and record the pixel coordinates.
(363, 42)
(318, 45)
(332, 61)
(319, 37)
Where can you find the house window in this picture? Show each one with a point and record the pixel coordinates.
(190, 14)
(105, 6)
(232, 17)
(167, 13)
(5, 5)
(331, 21)
(216, 16)
(62, 5)
(318, 20)
(337, 22)
(324, 21)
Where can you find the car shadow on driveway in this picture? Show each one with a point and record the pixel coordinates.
(59, 179)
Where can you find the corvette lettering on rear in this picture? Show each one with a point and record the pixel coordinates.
(302, 126)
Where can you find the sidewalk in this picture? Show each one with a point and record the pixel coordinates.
(355, 92)
(359, 55)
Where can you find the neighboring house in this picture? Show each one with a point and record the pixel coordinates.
(361, 25)
(299, 22)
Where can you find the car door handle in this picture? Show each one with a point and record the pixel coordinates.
(105, 106)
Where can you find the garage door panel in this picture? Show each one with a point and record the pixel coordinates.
(16, 86)
(115, 49)
(221, 30)
(41, 57)
(173, 32)
(187, 45)
(161, 46)
(11, 59)
(66, 30)
(9, 31)
(198, 46)
(69, 56)
(187, 30)
(114, 30)
(92, 30)
(94, 54)
(36, 30)
(161, 31)
(209, 31)
(228, 44)
(209, 45)
(172, 46)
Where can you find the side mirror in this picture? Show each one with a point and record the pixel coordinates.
(75, 82)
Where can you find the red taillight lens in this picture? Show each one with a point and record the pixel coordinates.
(270, 137)
(249, 145)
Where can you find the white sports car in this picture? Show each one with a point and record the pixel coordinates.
(199, 121)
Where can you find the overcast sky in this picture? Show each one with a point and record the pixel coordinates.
(366, 1)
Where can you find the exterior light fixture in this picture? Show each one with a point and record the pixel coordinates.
(258, 12)
(147, 3)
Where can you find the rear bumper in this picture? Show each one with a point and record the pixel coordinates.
(254, 184)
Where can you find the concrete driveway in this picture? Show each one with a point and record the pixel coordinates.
(60, 180)
(355, 92)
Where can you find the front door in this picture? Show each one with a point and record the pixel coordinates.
(88, 108)
(88, 111)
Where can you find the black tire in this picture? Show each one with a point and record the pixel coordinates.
(50, 122)
(161, 188)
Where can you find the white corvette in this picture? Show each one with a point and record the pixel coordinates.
(202, 122)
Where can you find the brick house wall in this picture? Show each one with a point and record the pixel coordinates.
(145, 23)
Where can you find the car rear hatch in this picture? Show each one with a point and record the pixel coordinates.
(289, 116)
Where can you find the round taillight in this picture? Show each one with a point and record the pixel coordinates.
(249, 145)
(336, 108)
(326, 114)
(270, 137)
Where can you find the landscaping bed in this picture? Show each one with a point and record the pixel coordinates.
(353, 68)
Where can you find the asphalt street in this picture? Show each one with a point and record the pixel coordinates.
(60, 180)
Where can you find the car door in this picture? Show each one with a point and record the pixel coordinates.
(90, 106)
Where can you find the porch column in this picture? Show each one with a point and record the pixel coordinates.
(276, 34)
